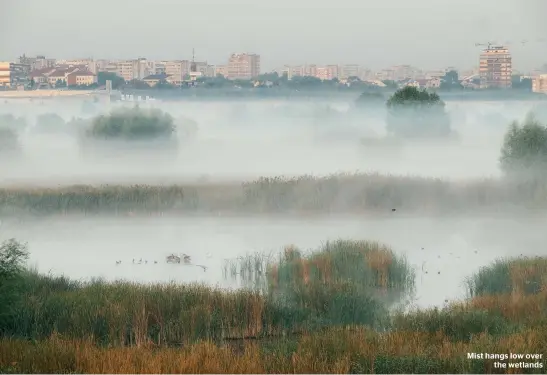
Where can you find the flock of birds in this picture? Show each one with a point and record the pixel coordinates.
(185, 258)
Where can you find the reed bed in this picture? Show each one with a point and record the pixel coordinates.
(341, 193)
(320, 312)
(342, 282)
(358, 350)
(524, 275)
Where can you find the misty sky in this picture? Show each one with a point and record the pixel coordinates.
(430, 34)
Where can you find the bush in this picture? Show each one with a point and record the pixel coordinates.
(522, 275)
(50, 122)
(369, 99)
(9, 141)
(417, 113)
(11, 122)
(133, 124)
(12, 259)
(524, 149)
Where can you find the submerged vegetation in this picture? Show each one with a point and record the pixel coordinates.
(317, 314)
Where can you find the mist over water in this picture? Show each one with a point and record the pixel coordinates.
(238, 141)
(244, 141)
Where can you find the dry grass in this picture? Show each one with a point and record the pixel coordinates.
(342, 193)
(358, 350)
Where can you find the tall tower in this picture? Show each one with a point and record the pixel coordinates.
(193, 67)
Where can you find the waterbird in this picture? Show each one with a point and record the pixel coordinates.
(393, 209)
(155, 262)
(204, 267)
(118, 262)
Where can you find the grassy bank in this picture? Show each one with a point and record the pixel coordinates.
(355, 193)
(335, 351)
(326, 311)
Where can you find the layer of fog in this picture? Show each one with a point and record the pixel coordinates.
(245, 140)
(449, 250)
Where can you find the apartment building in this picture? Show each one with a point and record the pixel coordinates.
(243, 66)
(13, 74)
(81, 78)
(176, 71)
(326, 72)
(205, 69)
(5, 74)
(495, 67)
(539, 84)
(221, 70)
(128, 69)
(349, 70)
(38, 62)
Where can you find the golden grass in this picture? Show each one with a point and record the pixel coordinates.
(334, 351)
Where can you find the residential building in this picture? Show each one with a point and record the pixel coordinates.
(243, 66)
(205, 69)
(326, 72)
(322, 73)
(495, 67)
(5, 74)
(221, 70)
(40, 76)
(311, 70)
(128, 69)
(539, 84)
(38, 62)
(81, 78)
(177, 71)
(333, 71)
(153, 79)
(349, 70)
(13, 75)
(159, 67)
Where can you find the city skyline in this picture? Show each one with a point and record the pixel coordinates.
(376, 34)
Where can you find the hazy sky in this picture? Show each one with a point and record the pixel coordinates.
(376, 33)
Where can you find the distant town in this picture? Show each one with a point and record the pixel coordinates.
(494, 71)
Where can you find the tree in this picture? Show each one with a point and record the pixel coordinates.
(60, 83)
(524, 149)
(413, 112)
(117, 81)
(450, 81)
(519, 83)
(50, 121)
(133, 124)
(369, 99)
(13, 256)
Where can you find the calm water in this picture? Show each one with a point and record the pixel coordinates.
(87, 248)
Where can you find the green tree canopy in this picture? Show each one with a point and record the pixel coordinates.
(13, 256)
(369, 98)
(133, 124)
(414, 112)
(524, 149)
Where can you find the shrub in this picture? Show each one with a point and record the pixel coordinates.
(133, 124)
(417, 113)
(524, 149)
(11, 122)
(12, 259)
(521, 275)
(9, 141)
(50, 122)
